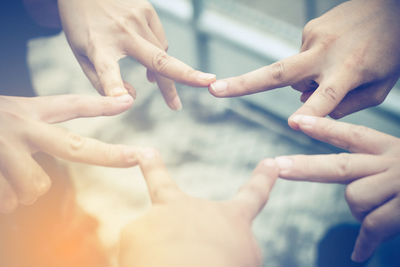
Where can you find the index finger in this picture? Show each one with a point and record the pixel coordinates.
(158, 61)
(279, 74)
(334, 168)
(66, 145)
(253, 195)
(354, 138)
(160, 185)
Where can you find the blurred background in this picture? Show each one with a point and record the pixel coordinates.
(212, 145)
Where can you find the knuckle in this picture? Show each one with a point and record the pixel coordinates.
(326, 40)
(76, 144)
(370, 227)
(330, 93)
(343, 165)
(358, 132)
(278, 71)
(160, 61)
(310, 27)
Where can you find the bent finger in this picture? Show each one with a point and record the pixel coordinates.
(61, 108)
(160, 185)
(362, 98)
(253, 195)
(368, 193)
(354, 138)
(109, 74)
(327, 96)
(282, 73)
(379, 225)
(334, 168)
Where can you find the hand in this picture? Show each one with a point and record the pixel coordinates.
(372, 175)
(101, 32)
(180, 230)
(26, 130)
(349, 61)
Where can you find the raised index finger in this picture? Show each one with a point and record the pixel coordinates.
(160, 185)
(279, 74)
(158, 61)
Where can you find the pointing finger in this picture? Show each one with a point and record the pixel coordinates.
(253, 195)
(351, 137)
(286, 72)
(160, 185)
(334, 168)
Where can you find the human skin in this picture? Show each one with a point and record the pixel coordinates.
(371, 174)
(349, 60)
(26, 129)
(101, 32)
(180, 230)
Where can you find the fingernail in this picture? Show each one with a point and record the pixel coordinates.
(130, 155)
(124, 99)
(219, 86)
(296, 118)
(118, 91)
(285, 164)
(206, 76)
(308, 120)
(176, 104)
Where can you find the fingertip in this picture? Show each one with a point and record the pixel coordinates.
(218, 88)
(267, 167)
(207, 78)
(118, 91)
(293, 122)
(175, 104)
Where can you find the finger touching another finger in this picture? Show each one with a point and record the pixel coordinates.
(286, 72)
(327, 96)
(253, 195)
(354, 138)
(109, 74)
(376, 227)
(160, 185)
(361, 98)
(333, 168)
(158, 61)
(69, 146)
